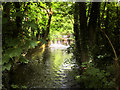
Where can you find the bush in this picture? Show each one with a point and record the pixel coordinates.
(93, 77)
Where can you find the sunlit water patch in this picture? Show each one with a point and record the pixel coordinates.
(58, 45)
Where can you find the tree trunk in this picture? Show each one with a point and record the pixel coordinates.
(48, 25)
(94, 15)
(77, 33)
(18, 20)
(93, 23)
(83, 32)
(6, 15)
(117, 31)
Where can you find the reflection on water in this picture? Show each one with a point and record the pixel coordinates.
(49, 68)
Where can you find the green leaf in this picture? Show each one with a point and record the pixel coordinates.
(12, 52)
(6, 67)
(19, 14)
(24, 86)
(5, 59)
(23, 60)
(77, 77)
(12, 42)
(14, 86)
(30, 44)
(83, 65)
(42, 40)
(30, 24)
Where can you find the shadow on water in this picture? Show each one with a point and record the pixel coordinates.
(49, 68)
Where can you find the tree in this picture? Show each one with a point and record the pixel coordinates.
(83, 32)
(87, 29)
(77, 32)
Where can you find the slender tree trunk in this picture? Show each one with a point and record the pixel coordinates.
(26, 10)
(6, 9)
(83, 32)
(48, 25)
(5, 32)
(76, 29)
(77, 33)
(18, 20)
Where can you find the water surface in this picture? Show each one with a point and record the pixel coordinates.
(50, 68)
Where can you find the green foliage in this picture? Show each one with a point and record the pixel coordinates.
(19, 39)
(5, 58)
(93, 77)
(30, 44)
(14, 52)
(12, 42)
(30, 24)
(62, 20)
(42, 40)
(16, 86)
(23, 60)
(6, 67)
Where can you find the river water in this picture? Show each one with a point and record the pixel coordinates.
(50, 68)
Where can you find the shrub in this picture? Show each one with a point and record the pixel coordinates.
(93, 77)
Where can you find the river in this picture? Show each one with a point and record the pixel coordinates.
(50, 68)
